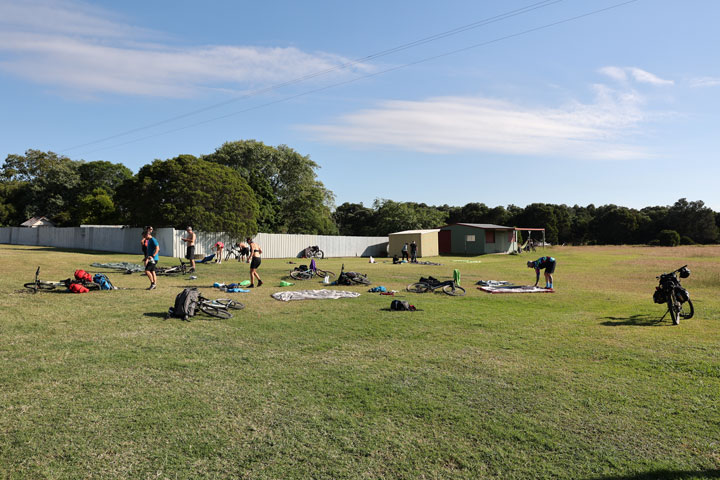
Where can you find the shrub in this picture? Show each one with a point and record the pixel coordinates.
(669, 238)
(685, 240)
(654, 243)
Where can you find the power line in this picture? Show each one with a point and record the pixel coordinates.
(294, 81)
(370, 75)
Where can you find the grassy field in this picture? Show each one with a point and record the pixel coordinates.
(581, 384)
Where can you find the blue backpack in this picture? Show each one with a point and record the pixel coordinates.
(104, 282)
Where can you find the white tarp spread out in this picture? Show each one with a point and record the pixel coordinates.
(515, 289)
(313, 295)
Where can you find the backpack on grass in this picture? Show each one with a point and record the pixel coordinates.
(185, 304)
(401, 306)
(104, 282)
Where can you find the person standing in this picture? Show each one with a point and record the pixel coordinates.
(548, 263)
(255, 252)
(190, 241)
(151, 249)
(413, 252)
(405, 255)
(218, 247)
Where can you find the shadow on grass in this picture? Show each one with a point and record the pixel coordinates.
(665, 475)
(35, 248)
(643, 320)
(155, 315)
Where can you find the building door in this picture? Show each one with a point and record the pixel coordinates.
(444, 242)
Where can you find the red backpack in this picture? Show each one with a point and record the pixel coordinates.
(77, 288)
(83, 276)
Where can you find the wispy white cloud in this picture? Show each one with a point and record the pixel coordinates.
(705, 82)
(624, 74)
(599, 130)
(81, 48)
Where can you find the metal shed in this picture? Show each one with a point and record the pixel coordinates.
(426, 240)
(476, 239)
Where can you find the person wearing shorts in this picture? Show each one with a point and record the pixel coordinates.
(255, 252)
(152, 256)
(218, 247)
(547, 263)
(190, 240)
(244, 252)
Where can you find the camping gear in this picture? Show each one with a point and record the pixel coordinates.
(104, 282)
(185, 304)
(313, 295)
(515, 289)
(401, 306)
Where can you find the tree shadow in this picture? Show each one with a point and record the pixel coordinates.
(643, 320)
(665, 475)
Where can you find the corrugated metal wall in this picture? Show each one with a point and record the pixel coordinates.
(127, 240)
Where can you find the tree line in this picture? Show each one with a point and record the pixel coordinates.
(681, 223)
(246, 186)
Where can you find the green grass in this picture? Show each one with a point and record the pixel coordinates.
(580, 384)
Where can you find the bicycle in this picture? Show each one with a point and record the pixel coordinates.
(352, 278)
(219, 308)
(181, 269)
(671, 292)
(233, 252)
(298, 274)
(449, 287)
(38, 284)
(314, 251)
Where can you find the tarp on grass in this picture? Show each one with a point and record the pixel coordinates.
(313, 295)
(515, 289)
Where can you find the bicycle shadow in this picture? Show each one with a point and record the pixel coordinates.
(640, 320)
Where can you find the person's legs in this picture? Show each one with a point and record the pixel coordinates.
(220, 255)
(548, 280)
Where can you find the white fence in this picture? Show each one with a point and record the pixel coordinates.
(127, 240)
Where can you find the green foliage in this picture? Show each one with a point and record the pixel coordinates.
(685, 240)
(290, 197)
(669, 238)
(398, 216)
(189, 191)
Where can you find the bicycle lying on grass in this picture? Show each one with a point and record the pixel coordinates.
(219, 307)
(431, 284)
(181, 269)
(42, 284)
(671, 292)
(308, 273)
(352, 278)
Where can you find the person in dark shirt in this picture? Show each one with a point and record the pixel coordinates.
(547, 263)
(413, 252)
(151, 250)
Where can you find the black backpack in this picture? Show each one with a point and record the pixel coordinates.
(401, 306)
(185, 304)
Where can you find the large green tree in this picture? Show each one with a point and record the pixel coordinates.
(49, 181)
(190, 191)
(393, 216)
(291, 199)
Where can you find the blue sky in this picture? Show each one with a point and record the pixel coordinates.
(501, 102)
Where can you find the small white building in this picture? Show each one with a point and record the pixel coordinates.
(37, 222)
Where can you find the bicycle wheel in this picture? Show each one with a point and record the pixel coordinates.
(319, 254)
(686, 310)
(229, 303)
(32, 286)
(214, 310)
(674, 308)
(300, 275)
(454, 290)
(419, 287)
(360, 280)
(323, 273)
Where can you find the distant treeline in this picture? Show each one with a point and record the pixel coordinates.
(244, 187)
(682, 223)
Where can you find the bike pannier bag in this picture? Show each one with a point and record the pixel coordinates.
(77, 288)
(681, 294)
(102, 280)
(659, 296)
(83, 276)
(399, 305)
(185, 303)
